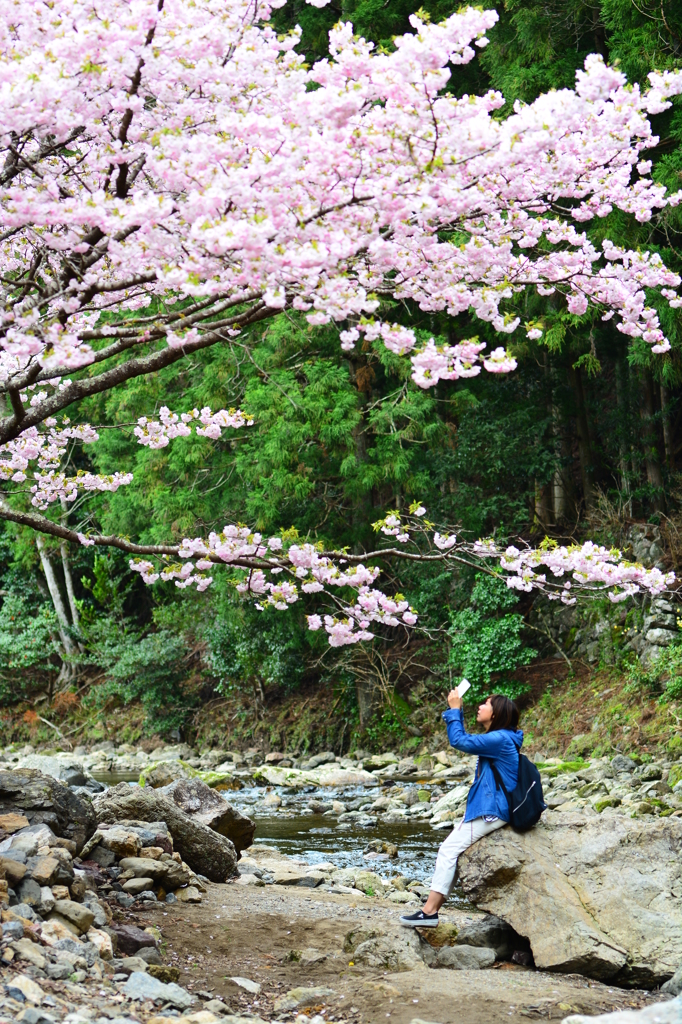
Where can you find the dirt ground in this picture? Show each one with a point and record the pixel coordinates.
(250, 932)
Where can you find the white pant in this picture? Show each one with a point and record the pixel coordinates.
(461, 838)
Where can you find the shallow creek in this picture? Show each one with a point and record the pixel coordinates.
(298, 832)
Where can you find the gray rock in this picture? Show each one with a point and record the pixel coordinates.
(144, 986)
(169, 872)
(73, 948)
(216, 1006)
(465, 958)
(105, 858)
(492, 933)
(660, 637)
(150, 955)
(673, 986)
(621, 763)
(300, 996)
(28, 891)
(43, 799)
(59, 971)
(77, 914)
(206, 852)
(649, 772)
(25, 911)
(123, 899)
(659, 1013)
(130, 964)
(593, 895)
(206, 805)
(70, 772)
(136, 886)
(12, 930)
(400, 951)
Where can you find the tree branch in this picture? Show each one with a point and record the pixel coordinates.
(10, 428)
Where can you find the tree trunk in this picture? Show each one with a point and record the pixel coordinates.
(53, 587)
(624, 446)
(584, 444)
(541, 505)
(652, 456)
(368, 694)
(667, 428)
(68, 580)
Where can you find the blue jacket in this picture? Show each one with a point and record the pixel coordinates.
(501, 746)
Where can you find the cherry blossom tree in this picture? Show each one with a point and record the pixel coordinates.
(174, 173)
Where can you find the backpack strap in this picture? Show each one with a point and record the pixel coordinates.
(498, 778)
(500, 783)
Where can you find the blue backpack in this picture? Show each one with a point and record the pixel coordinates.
(526, 802)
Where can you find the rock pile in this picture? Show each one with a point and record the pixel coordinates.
(58, 900)
(208, 852)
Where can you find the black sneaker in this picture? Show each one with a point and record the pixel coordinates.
(419, 920)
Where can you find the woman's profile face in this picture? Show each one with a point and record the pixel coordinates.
(485, 713)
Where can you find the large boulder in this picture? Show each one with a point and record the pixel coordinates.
(598, 896)
(43, 799)
(207, 852)
(203, 804)
(66, 770)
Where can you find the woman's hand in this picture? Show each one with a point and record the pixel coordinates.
(454, 699)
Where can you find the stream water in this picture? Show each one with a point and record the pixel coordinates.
(316, 837)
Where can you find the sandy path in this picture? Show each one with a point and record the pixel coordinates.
(249, 932)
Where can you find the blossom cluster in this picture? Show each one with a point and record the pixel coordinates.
(589, 565)
(196, 174)
(306, 569)
(51, 486)
(47, 447)
(158, 433)
(278, 570)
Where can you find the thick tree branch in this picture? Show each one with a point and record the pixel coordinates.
(10, 428)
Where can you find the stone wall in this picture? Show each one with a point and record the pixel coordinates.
(600, 634)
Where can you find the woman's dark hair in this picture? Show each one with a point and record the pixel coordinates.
(505, 713)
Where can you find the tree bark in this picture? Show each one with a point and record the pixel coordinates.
(652, 456)
(584, 444)
(667, 428)
(68, 578)
(58, 604)
(625, 448)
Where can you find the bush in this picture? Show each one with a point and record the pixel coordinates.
(486, 639)
(150, 669)
(29, 651)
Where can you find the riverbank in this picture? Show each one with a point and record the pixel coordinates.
(285, 946)
(587, 711)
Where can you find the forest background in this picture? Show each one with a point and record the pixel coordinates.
(584, 439)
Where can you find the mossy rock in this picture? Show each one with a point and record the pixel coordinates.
(674, 747)
(443, 935)
(675, 775)
(610, 801)
(164, 772)
(565, 767)
(164, 973)
(583, 744)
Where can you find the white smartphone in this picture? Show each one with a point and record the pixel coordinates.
(463, 687)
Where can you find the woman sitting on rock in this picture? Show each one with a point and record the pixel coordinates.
(487, 807)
